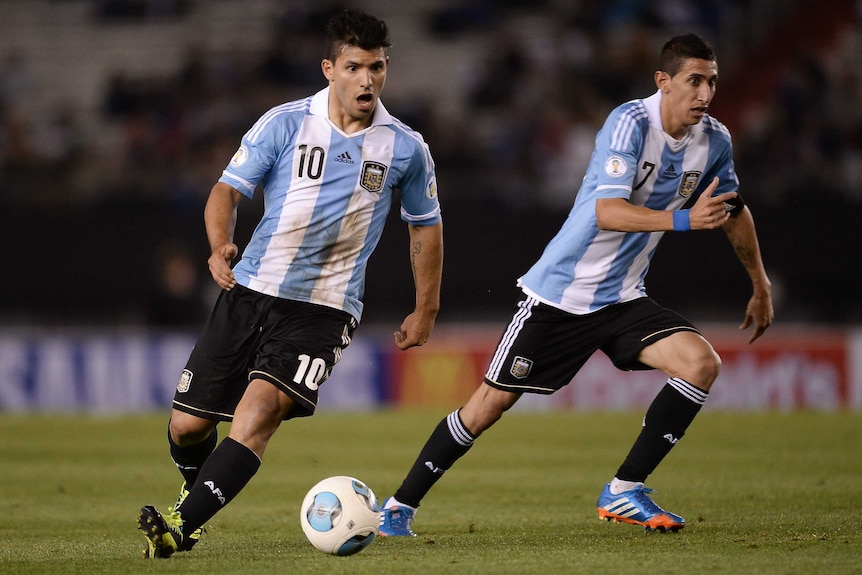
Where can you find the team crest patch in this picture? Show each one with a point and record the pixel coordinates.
(689, 183)
(373, 175)
(521, 367)
(616, 167)
(185, 381)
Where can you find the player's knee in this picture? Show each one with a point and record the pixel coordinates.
(187, 429)
(485, 408)
(707, 366)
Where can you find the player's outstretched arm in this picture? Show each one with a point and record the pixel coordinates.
(426, 260)
(618, 214)
(220, 221)
(741, 232)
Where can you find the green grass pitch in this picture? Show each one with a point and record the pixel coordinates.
(762, 493)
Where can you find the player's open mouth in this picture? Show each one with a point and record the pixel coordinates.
(364, 99)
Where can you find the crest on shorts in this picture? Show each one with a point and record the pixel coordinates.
(373, 175)
(185, 381)
(689, 183)
(521, 367)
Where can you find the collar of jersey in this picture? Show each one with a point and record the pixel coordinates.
(320, 107)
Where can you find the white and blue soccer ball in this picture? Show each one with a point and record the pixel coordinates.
(340, 515)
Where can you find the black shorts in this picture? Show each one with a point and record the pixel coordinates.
(543, 347)
(248, 335)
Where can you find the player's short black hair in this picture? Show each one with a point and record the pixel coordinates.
(680, 48)
(353, 27)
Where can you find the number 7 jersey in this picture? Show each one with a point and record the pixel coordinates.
(326, 199)
(583, 269)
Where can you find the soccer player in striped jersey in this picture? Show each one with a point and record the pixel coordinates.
(328, 166)
(660, 164)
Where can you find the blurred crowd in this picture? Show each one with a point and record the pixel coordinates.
(528, 102)
(529, 105)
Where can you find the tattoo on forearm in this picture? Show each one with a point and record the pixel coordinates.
(415, 250)
(745, 255)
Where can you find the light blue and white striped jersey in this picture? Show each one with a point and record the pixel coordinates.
(326, 198)
(583, 269)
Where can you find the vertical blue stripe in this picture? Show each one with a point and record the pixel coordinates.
(663, 192)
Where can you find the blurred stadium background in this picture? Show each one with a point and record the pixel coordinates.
(117, 116)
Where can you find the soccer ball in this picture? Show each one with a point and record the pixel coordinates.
(340, 515)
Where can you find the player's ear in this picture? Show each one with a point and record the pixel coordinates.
(662, 81)
(327, 66)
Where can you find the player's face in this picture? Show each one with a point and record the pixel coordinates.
(356, 79)
(687, 95)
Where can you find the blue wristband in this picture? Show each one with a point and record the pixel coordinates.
(681, 222)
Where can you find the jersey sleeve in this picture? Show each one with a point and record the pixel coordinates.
(618, 146)
(257, 153)
(420, 205)
(724, 168)
(728, 182)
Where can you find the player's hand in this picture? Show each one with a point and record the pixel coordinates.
(414, 331)
(758, 313)
(709, 211)
(219, 265)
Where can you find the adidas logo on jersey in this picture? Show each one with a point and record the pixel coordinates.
(344, 158)
(670, 172)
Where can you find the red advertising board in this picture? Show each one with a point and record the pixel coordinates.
(786, 369)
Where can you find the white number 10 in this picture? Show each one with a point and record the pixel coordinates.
(310, 371)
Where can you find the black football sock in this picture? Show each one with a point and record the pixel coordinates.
(666, 421)
(189, 459)
(230, 467)
(448, 442)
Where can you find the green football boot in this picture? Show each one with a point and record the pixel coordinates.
(193, 537)
(164, 533)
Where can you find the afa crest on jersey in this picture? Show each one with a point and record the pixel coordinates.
(688, 184)
(373, 175)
